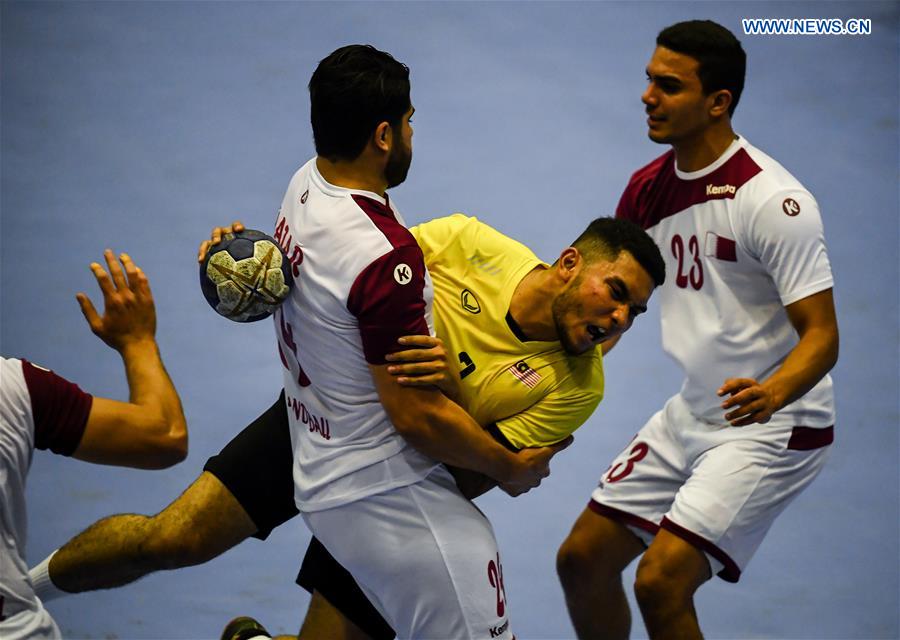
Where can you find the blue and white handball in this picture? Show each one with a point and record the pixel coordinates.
(246, 276)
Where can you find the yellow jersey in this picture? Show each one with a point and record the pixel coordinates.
(534, 392)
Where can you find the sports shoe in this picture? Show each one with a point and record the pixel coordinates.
(243, 628)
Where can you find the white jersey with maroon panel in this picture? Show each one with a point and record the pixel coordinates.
(384, 511)
(361, 283)
(742, 239)
(38, 409)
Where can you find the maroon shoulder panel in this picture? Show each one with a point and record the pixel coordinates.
(60, 410)
(656, 192)
(387, 300)
(383, 218)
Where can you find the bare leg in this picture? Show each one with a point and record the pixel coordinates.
(324, 622)
(204, 522)
(590, 564)
(668, 576)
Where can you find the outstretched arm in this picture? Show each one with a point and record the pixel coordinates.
(814, 356)
(149, 431)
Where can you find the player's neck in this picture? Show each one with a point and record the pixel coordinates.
(701, 151)
(531, 305)
(357, 174)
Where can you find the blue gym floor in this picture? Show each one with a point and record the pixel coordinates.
(139, 126)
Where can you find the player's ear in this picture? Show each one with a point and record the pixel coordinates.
(719, 103)
(568, 263)
(383, 136)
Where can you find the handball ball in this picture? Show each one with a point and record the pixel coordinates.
(246, 276)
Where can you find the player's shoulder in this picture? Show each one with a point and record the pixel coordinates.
(642, 180)
(379, 220)
(771, 177)
(12, 372)
(446, 225)
(482, 236)
(646, 174)
(466, 234)
(637, 199)
(375, 247)
(15, 401)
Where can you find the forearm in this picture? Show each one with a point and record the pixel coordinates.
(812, 358)
(448, 434)
(150, 386)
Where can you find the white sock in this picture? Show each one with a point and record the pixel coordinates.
(43, 585)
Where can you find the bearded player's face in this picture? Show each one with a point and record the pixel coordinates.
(401, 152)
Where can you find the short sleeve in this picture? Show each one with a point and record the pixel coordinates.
(387, 298)
(786, 235)
(60, 409)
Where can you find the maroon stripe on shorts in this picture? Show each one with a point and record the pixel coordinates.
(623, 516)
(730, 573)
(807, 438)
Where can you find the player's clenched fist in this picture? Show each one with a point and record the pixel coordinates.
(534, 466)
(129, 314)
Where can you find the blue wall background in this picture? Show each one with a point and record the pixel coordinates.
(139, 126)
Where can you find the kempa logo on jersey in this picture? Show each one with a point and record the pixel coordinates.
(469, 301)
(499, 630)
(720, 190)
(402, 274)
(790, 207)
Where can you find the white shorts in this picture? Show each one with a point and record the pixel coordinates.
(718, 487)
(425, 557)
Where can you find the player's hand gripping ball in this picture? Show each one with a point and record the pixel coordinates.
(246, 276)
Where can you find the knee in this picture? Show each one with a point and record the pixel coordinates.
(580, 563)
(659, 584)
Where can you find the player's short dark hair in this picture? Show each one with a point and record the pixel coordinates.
(352, 91)
(607, 237)
(723, 63)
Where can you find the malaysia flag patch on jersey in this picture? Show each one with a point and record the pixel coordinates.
(528, 376)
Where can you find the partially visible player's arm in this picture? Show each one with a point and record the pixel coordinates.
(814, 355)
(441, 429)
(149, 431)
(424, 364)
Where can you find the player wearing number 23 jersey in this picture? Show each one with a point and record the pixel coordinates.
(743, 240)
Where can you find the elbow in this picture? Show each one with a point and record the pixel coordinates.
(176, 449)
(170, 448)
